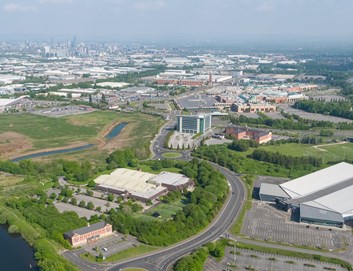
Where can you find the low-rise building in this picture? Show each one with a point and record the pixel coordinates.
(246, 133)
(88, 234)
(253, 108)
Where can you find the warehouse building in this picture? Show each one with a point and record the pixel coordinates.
(140, 185)
(323, 197)
(172, 181)
(194, 124)
(88, 234)
(130, 183)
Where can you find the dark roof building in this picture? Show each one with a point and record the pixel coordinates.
(88, 234)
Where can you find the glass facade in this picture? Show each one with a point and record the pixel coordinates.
(194, 124)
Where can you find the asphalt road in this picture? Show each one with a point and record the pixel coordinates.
(163, 260)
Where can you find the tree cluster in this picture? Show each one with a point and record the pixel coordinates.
(48, 217)
(196, 260)
(341, 109)
(242, 145)
(285, 160)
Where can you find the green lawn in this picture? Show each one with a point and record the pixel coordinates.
(171, 155)
(131, 252)
(166, 210)
(335, 152)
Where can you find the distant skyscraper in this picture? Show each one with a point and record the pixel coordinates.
(74, 42)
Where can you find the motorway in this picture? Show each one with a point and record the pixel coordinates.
(163, 260)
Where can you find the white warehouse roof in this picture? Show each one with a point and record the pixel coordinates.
(339, 201)
(133, 181)
(318, 180)
(169, 178)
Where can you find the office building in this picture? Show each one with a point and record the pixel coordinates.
(194, 124)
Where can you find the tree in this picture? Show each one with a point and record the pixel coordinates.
(136, 207)
(91, 183)
(53, 195)
(89, 192)
(73, 201)
(82, 204)
(103, 100)
(110, 197)
(90, 205)
(239, 145)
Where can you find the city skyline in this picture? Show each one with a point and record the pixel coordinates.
(168, 20)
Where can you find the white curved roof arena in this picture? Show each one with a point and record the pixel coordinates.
(318, 180)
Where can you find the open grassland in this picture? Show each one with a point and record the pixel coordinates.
(26, 133)
(15, 186)
(131, 252)
(8, 180)
(166, 210)
(172, 155)
(123, 255)
(329, 152)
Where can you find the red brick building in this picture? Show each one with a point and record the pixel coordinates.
(88, 234)
(181, 82)
(249, 134)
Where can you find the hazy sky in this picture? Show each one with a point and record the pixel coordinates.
(231, 20)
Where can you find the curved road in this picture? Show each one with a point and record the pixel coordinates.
(163, 260)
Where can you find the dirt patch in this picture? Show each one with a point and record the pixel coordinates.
(12, 144)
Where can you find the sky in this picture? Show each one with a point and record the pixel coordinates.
(163, 20)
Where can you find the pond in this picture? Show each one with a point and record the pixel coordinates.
(16, 254)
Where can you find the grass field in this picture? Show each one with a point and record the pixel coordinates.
(26, 133)
(122, 255)
(171, 155)
(332, 152)
(166, 210)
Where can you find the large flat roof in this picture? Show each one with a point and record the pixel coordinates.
(340, 201)
(133, 181)
(272, 189)
(169, 178)
(318, 180)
